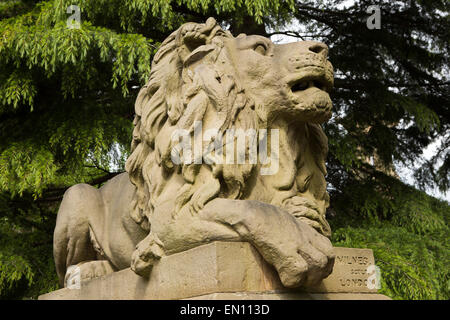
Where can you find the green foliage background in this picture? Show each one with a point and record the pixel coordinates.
(66, 110)
(409, 235)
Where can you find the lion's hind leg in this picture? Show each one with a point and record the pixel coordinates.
(72, 241)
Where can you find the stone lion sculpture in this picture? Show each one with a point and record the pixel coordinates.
(202, 73)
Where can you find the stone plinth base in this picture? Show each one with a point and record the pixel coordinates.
(225, 270)
(289, 296)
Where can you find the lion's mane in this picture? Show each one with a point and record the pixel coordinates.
(174, 99)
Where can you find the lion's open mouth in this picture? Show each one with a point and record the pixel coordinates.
(311, 76)
(313, 80)
(310, 88)
(306, 84)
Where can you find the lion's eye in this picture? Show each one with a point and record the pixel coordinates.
(260, 49)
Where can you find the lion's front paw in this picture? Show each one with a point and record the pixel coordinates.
(195, 201)
(312, 261)
(147, 253)
(203, 195)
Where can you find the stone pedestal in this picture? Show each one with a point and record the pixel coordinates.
(225, 270)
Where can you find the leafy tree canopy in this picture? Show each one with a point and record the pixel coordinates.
(66, 110)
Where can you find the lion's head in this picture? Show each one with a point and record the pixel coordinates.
(284, 80)
(203, 73)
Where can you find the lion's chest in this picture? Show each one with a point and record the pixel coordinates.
(280, 182)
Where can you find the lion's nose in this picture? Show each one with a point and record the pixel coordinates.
(319, 48)
(298, 55)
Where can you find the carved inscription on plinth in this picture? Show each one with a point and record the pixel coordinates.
(353, 271)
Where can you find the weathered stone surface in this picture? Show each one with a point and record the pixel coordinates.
(349, 272)
(223, 270)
